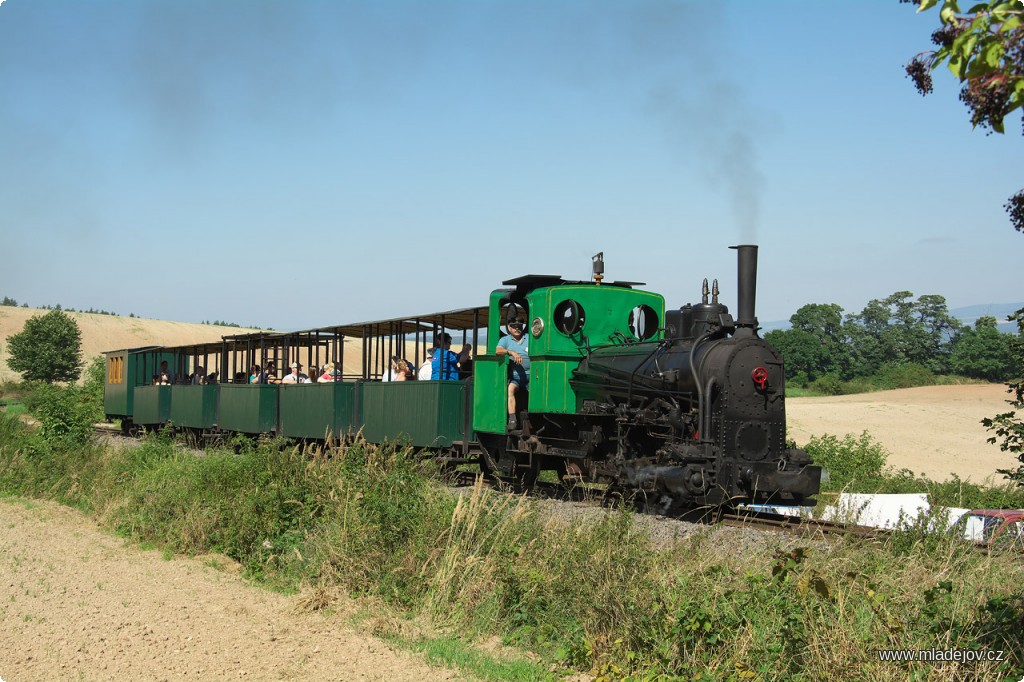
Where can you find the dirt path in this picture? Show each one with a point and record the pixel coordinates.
(77, 604)
(934, 430)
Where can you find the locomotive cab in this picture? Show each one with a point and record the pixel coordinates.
(565, 322)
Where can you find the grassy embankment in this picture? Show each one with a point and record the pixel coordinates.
(598, 597)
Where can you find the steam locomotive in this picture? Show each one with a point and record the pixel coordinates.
(692, 417)
(681, 409)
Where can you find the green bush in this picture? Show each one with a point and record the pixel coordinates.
(827, 385)
(848, 459)
(65, 414)
(906, 375)
(798, 380)
(91, 394)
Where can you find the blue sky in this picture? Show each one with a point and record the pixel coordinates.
(298, 164)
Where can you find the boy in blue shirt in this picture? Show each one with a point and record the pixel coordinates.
(516, 347)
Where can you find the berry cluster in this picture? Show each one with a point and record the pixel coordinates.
(920, 72)
(1015, 208)
(945, 36)
(988, 99)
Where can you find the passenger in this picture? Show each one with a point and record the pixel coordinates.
(199, 377)
(296, 376)
(270, 375)
(517, 349)
(445, 365)
(465, 362)
(330, 373)
(164, 370)
(211, 378)
(426, 369)
(156, 380)
(255, 374)
(165, 380)
(403, 371)
(392, 371)
(239, 377)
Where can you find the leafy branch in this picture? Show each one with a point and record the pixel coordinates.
(984, 49)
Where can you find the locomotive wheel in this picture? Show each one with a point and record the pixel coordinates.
(497, 462)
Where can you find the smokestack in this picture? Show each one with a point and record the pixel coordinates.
(746, 322)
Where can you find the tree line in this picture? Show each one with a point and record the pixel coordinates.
(8, 301)
(824, 346)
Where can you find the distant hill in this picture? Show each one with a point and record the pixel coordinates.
(1000, 311)
(967, 314)
(109, 332)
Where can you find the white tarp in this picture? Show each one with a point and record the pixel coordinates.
(954, 514)
(877, 511)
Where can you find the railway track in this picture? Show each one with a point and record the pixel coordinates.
(794, 524)
(758, 520)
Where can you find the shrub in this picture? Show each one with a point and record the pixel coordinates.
(847, 460)
(907, 375)
(827, 385)
(65, 417)
(799, 379)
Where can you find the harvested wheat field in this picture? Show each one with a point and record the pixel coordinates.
(931, 430)
(79, 604)
(110, 332)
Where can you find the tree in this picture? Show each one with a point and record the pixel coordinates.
(48, 349)
(806, 357)
(899, 330)
(1009, 427)
(983, 352)
(984, 49)
(816, 345)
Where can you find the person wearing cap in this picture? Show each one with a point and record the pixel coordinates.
(445, 365)
(426, 369)
(516, 347)
(296, 376)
